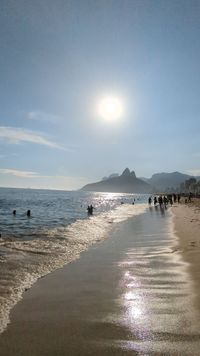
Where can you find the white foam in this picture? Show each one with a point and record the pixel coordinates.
(23, 262)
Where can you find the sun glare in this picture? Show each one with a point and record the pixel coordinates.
(110, 108)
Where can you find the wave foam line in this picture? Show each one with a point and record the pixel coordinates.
(24, 262)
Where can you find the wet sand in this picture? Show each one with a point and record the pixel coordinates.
(132, 294)
(187, 227)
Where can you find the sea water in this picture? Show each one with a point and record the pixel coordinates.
(57, 231)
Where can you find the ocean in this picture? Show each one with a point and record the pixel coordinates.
(57, 231)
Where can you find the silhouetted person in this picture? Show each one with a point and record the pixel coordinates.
(90, 209)
(174, 196)
(149, 200)
(155, 200)
(160, 200)
(14, 212)
(165, 200)
(28, 213)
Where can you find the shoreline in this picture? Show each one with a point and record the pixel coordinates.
(66, 250)
(128, 295)
(186, 220)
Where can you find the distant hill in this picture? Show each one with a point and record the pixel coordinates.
(161, 182)
(111, 176)
(127, 182)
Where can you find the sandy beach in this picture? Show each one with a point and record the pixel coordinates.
(135, 293)
(187, 228)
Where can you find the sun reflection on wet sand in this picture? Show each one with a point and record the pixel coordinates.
(156, 299)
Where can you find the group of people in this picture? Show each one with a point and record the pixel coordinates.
(28, 213)
(166, 199)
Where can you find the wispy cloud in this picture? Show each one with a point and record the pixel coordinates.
(22, 179)
(15, 135)
(18, 173)
(31, 174)
(40, 115)
(14, 154)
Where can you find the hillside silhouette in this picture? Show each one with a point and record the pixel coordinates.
(127, 182)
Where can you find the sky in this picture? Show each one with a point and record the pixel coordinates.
(58, 59)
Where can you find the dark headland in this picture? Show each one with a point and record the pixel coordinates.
(127, 182)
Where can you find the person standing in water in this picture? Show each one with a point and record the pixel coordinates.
(90, 209)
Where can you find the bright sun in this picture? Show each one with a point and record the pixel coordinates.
(110, 108)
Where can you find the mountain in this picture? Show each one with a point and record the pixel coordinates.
(127, 182)
(111, 176)
(161, 182)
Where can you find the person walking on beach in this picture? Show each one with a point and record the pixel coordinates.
(165, 200)
(160, 200)
(171, 201)
(155, 200)
(149, 200)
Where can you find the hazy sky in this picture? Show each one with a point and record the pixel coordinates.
(59, 58)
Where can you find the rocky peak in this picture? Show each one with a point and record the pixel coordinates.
(133, 174)
(126, 172)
